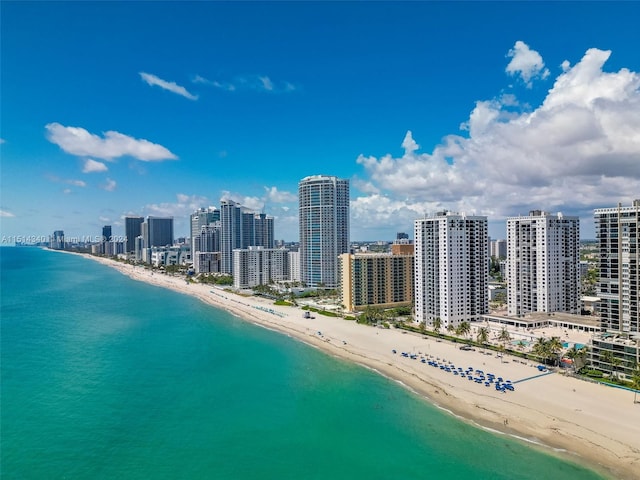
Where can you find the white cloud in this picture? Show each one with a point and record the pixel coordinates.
(66, 191)
(91, 166)
(110, 185)
(578, 150)
(171, 86)
(248, 82)
(526, 62)
(104, 219)
(182, 207)
(273, 195)
(2, 140)
(80, 142)
(76, 183)
(6, 214)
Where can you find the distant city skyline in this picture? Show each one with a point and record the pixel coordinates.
(116, 109)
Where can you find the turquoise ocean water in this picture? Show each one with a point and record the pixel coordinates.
(105, 377)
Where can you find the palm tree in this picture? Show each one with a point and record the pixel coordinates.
(504, 336)
(483, 335)
(555, 347)
(437, 325)
(615, 363)
(463, 329)
(450, 328)
(541, 349)
(607, 357)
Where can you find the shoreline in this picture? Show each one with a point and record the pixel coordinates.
(579, 421)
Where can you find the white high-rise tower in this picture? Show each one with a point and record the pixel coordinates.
(324, 228)
(451, 268)
(543, 263)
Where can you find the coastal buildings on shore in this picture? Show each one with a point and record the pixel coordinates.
(324, 228)
(543, 263)
(448, 276)
(451, 269)
(242, 228)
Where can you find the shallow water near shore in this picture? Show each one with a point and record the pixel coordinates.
(106, 377)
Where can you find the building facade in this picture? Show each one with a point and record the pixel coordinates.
(384, 280)
(543, 263)
(132, 230)
(157, 232)
(324, 228)
(255, 266)
(201, 218)
(294, 266)
(617, 349)
(451, 268)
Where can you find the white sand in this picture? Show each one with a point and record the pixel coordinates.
(593, 424)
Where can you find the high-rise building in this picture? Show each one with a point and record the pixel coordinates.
(263, 230)
(199, 219)
(543, 263)
(106, 233)
(451, 270)
(381, 279)
(617, 349)
(132, 230)
(618, 235)
(498, 248)
(208, 240)
(324, 228)
(242, 228)
(56, 241)
(157, 232)
(294, 266)
(231, 233)
(259, 266)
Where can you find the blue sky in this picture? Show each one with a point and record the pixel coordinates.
(158, 108)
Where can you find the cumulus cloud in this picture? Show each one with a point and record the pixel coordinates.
(170, 86)
(248, 82)
(6, 214)
(578, 150)
(273, 195)
(80, 142)
(110, 185)
(91, 166)
(182, 207)
(526, 63)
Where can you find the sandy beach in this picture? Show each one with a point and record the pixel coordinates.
(589, 423)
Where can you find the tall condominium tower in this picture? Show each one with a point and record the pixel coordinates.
(618, 234)
(543, 263)
(451, 269)
(157, 232)
(617, 349)
(263, 231)
(324, 228)
(241, 228)
(200, 218)
(132, 230)
(106, 233)
(230, 233)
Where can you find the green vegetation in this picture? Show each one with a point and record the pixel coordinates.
(215, 279)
